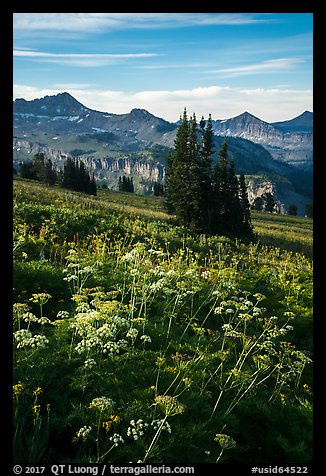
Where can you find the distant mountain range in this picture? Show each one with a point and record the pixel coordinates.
(137, 143)
(288, 141)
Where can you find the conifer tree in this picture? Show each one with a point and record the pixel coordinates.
(205, 173)
(245, 208)
(233, 216)
(76, 177)
(126, 184)
(205, 198)
(177, 174)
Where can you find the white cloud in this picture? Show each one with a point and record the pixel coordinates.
(41, 54)
(271, 105)
(96, 22)
(79, 59)
(269, 66)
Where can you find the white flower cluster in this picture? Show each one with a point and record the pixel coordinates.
(136, 429)
(116, 439)
(25, 338)
(158, 285)
(82, 433)
(99, 333)
(156, 424)
(63, 315)
(132, 334)
(145, 338)
(112, 348)
(89, 363)
(101, 403)
(30, 317)
(131, 256)
(206, 274)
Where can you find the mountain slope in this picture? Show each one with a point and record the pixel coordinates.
(302, 123)
(138, 143)
(293, 147)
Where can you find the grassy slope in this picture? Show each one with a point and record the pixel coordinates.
(286, 232)
(180, 291)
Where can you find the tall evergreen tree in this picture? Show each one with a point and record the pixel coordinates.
(76, 177)
(205, 173)
(220, 190)
(245, 208)
(50, 175)
(177, 174)
(233, 205)
(208, 199)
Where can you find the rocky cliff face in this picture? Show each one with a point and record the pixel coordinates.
(284, 194)
(106, 168)
(292, 147)
(25, 149)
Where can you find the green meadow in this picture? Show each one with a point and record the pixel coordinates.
(138, 341)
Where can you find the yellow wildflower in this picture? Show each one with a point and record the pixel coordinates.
(37, 391)
(17, 389)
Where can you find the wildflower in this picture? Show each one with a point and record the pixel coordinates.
(145, 338)
(37, 391)
(40, 298)
(132, 333)
(170, 369)
(164, 425)
(20, 308)
(24, 338)
(187, 382)
(36, 409)
(289, 314)
(259, 297)
(169, 405)
(261, 359)
(160, 361)
(235, 373)
(82, 434)
(225, 441)
(307, 389)
(283, 398)
(206, 274)
(227, 327)
(134, 272)
(111, 348)
(63, 315)
(107, 425)
(101, 404)
(89, 363)
(29, 317)
(17, 389)
(136, 429)
(115, 419)
(116, 439)
(181, 357)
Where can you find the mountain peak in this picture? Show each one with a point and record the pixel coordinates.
(59, 104)
(140, 112)
(249, 115)
(301, 123)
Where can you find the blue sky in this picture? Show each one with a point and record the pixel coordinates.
(218, 63)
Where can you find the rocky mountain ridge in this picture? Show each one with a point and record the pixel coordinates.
(138, 143)
(62, 114)
(284, 141)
